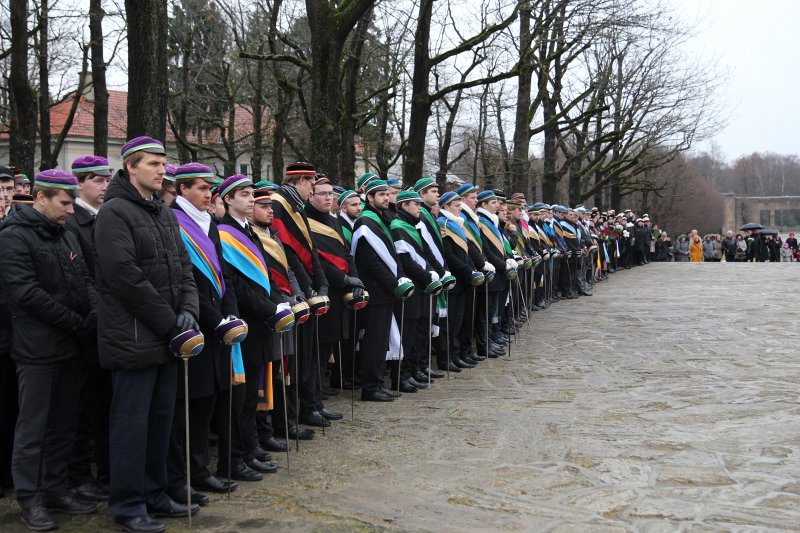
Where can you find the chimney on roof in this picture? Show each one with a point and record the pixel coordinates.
(88, 86)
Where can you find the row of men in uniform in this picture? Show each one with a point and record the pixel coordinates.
(101, 304)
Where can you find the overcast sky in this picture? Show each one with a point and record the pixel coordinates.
(758, 43)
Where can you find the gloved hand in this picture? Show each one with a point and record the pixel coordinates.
(185, 321)
(310, 293)
(405, 288)
(358, 292)
(434, 276)
(323, 291)
(285, 306)
(511, 264)
(488, 267)
(353, 282)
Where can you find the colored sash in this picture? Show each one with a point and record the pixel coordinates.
(425, 231)
(279, 266)
(363, 231)
(454, 231)
(288, 238)
(330, 245)
(405, 246)
(492, 233)
(201, 250)
(239, 251)
(472, 231)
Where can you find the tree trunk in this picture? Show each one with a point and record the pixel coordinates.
(99, 87)
(420, 99)
(330, 27)
(352, 74)
(44, 88)
(22, 138)
(147, 68)
(258, 113)
(549, 173)
(520, 158)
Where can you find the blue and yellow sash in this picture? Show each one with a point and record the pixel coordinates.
(239, 251)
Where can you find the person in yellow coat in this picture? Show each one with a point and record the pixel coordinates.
(696, 250)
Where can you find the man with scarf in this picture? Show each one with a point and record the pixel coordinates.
(434, 247)
(410, 249)
(342, 276)
(495, 251)
(474, 323)
(568, 277)
(259, 305)
(209, 371)
(384, 279)
(349, 210)
(291, 226)
(287, 291)
(456, 254)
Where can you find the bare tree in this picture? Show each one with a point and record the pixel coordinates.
(147, 67)
(22, 138)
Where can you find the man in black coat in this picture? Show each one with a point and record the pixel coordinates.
(384, 279)
(52, 299)
(8, 370)
(91, 441)
(341, 273)
(209, 371)
(146, 297)
(257, 304)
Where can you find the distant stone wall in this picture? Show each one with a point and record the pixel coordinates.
(778, 212)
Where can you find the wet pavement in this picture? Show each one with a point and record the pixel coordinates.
(668, 401)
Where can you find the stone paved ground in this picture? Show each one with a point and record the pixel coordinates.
(666, 402)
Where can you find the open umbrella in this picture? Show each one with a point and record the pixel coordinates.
(768, 231)
(751, 226)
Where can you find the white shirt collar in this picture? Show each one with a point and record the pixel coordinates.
(86, 206)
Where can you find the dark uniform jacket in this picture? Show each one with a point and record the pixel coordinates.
(144, 278)
(48, 288)
(378, 280)
(209, 370)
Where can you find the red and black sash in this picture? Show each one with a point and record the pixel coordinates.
(330, 244)
(291, 228)
(276, 260)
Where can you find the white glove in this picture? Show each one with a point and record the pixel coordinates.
(447, 273)
(403, 280)
(285, 306)
(488, 267)
(434, 275)
(510, 264)
(520, 262)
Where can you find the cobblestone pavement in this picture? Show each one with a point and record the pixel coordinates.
(668, 401)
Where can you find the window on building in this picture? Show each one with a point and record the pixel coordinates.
(787, 218)
(244, 169)
(765, 218)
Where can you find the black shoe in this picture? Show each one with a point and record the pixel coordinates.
(418, 384)
(274, 445)
(420, 376)
(376, 396)
(140, 524)
(71, 505)
(90, 492)
(38, 519)
(471, 360)
(462, 364)
(173, 510)
(405, 386)
(584, 293)
(264, 468)
(330, 415)
(390, 392)
(314, 418)
(477, 357)
(214, 484)
(300, 433)
(494, 355)
(179, 496)
(262, 455)
(434, 374)
(452, 367)
(242, 472)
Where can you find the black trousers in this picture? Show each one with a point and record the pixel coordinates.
(142, 407)
(243, 421)
(9, 407)
(310, 386)
(375, 344)
(411, 360)
(45, 430)
(91, 437)
(466, 332)
(201, 410)
(479, 325)
(422, 334)
(450, 327)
